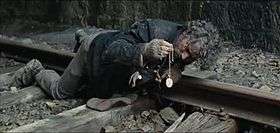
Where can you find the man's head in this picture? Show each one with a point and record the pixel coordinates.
(188, 47)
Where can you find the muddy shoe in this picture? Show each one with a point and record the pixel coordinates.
(106, 104)
(25, 76)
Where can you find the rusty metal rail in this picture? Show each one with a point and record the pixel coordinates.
(52, 58)
(236, 101)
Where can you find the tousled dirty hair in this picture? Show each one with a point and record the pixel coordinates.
(211, 41)
(194, 39)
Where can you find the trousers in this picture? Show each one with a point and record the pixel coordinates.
(75, 75)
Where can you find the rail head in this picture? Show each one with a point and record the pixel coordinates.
(227, 88)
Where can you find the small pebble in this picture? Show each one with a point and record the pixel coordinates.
(266, 88)
(147, 128)
(145, 114)
(109, 129)
(256, 85)
(50, 105)
(14, 89)
(239, 72)
(27, 41)
(169, 115)
(255, 74)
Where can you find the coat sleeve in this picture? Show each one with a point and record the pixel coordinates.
(124, 52)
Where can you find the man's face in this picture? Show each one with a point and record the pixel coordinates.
(188, 50)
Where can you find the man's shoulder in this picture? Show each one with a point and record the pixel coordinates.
(160, 22)
(149, 29)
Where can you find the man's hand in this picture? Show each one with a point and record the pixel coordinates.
(157, 49)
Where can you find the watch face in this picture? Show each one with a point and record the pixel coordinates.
(169, 82)
(139, 77)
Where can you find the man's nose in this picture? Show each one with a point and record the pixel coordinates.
(185, 55)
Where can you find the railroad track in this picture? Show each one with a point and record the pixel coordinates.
(20, 52)
(236, 101)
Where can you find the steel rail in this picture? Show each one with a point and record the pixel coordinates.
(52, 58)
(236, 101)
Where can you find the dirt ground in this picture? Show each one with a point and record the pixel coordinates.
(18, 115)
(247, 67)
(146, 121)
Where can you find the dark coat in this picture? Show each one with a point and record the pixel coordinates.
(114, 56)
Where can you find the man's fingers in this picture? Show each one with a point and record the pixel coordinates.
(164, 48)
(169, 46)
(165, 53)
(161, 54)
(159, 48)
(165, 43)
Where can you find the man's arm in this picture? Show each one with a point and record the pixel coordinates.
(149, 29)
(125, 52)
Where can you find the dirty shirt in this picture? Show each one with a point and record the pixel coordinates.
(114, 56)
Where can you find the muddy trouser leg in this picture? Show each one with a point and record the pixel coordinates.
(69, 84)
